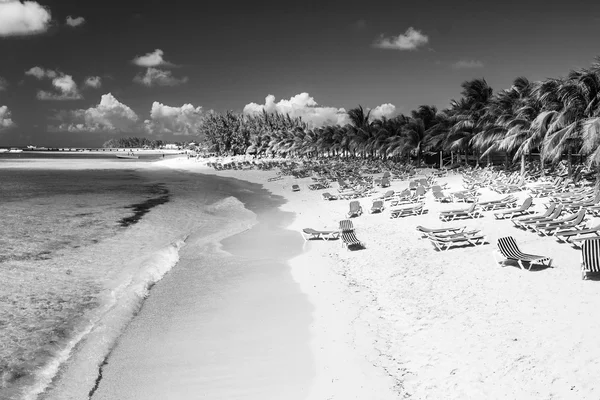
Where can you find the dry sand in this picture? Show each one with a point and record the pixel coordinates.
(403, 320)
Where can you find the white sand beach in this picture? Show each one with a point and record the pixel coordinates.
(403, 320)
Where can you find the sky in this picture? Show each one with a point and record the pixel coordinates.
(77, 72)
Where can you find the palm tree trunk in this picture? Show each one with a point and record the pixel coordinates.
(441, 159)
(542, 163)
(466, 157)
(570, 161)
(506, 160)
(523, 164)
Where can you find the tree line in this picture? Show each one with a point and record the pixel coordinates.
(553, 117)
(133, 142)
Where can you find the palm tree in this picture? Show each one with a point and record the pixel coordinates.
(580, 95)
(467, 115)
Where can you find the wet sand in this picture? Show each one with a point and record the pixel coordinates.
(229, 322)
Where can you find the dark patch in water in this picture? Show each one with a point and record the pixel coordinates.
(98, 378)
(141, 209)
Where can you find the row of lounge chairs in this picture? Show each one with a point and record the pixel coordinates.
(445, 238)
(345, 231)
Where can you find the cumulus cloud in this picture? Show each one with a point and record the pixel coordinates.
(303, 106)
(109, 116)
(154, 59)
(3, 84)
(5, 118)
(184, 120)
(75, 21)
(409, 40)
(65, 89)
(467, 64)
(23, 18)
(386, 110)
(93, 81)
(41, 73)
(158, 77)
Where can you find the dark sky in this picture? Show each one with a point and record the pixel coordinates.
(225, 55)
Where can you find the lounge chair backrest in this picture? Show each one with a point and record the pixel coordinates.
(526, 204)
(549, 210)
(580, 217)
(420, 191)
(557, 211)
(346, 225)
(509, 248)
(590, 255)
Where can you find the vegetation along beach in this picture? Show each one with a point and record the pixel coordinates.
(428, 229)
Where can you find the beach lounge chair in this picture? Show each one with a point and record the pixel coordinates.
(387, 195)
(406, 211)
(523, 210)
(377, 206)
(328, 196)
(445, 242)
(465, 197)
(577, 234)
(469, 212)
(548, 227)
(418, 196)
(551, 214)
(506, 202)
(509, 250)
(349, 239)
(309, 233)
(346, 225)
(441, 197)
(427, 231)
(590, 257)
(295, 188)
(355, 209)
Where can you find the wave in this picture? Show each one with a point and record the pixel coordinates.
(74, 369)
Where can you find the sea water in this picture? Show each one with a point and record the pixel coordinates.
(81, 243)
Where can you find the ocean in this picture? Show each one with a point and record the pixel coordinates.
(82, 241)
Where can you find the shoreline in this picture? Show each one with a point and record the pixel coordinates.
(339, 342)
(242, 333)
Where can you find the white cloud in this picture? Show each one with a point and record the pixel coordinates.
(113, 116)
(387, 110)
(23, 18)
(158, 77)
(184, 120)
(154, 59)
(5, 118)
(304, 106)
(467, 64)
(41, 73)
(66, 89)
(108, 116)
(74, 21)
(3, 83)
(410, 40)
(93, 81)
